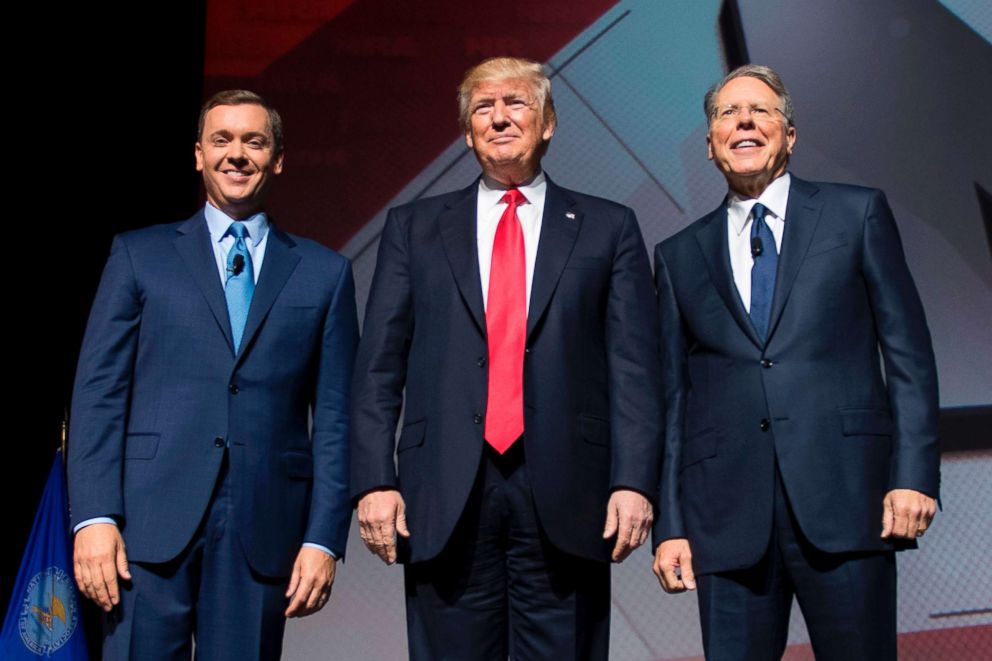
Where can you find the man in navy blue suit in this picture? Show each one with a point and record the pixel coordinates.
(206, 505)
(519, 318)
(792, 466)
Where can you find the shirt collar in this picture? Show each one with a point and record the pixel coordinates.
(219, 222)
(491, 191)
(775, 198)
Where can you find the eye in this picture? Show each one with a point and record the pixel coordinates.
(517, 104)
(728, 111)
(219, 142)
(482, 109)
(760, 111)
(256, 144)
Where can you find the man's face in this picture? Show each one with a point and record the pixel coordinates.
(752, 147)
(236, 155)
(507, 130)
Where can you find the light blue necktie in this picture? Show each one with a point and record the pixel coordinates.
(763, 271)
(240, 284)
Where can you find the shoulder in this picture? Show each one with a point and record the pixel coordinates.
(431, 206)
(827, 190)
(313, 251)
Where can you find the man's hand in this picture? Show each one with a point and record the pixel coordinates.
(311, 582)
(907, 513)
(628, 516)
(98, 558)
(381, 516)
(670, 555)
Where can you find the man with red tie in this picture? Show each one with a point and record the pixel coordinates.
(513, 322)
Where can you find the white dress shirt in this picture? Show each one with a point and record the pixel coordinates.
(488, 212)
(775, 198)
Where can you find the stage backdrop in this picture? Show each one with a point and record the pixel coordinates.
(890, 93)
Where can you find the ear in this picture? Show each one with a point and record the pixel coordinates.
(468, 139)
(709, 147)
(198, 153)
(790, 139)
(277, 164)
(549, 130)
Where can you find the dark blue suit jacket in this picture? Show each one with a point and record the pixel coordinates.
(159, 392)
(591, 388)
(841, 434)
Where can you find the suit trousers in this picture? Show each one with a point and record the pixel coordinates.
(500, 588)
(208, 594)
(848, 600)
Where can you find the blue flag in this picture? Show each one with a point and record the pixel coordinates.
(43, 620)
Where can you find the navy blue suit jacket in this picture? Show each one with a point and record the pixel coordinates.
(159, 392)
(841, 433)
(591, 389)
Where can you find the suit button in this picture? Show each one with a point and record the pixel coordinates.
(765, 425)
(527, 350)
(219, 442)
(481, 362)
(233, 388)
(477, 419)
(766, 363)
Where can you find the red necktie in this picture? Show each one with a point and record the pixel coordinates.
(506, 327)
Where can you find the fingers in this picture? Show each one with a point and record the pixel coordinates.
(294, 578)
(907, 514)
(310, 584)
(98, 554)
(629, 516)
(673, 557)
(380, 516)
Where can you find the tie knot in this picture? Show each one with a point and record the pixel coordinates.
(758, 212)
(513, 197)
(238, 230)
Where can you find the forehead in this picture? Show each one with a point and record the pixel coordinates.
(242, 118)
(501, 89)
(746, 90)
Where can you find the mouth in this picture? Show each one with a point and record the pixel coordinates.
(747, 143)
(237, 175)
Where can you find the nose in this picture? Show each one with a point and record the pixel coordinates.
(235, 151)
(499, 116)
(744, 117)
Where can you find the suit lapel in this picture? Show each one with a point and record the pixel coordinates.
(457, 224)
(279, 263)
(559, 228)
(193, 245)
(802, 215)
(712, 239)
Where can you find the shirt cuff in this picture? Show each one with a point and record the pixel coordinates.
(309, 545)
(90, 522)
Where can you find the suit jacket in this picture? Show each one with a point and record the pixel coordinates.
(812, 398)
(159, 392)
(591, 414)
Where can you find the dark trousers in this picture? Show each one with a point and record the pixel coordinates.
(500, 588)
(208, 593)
(847, 599)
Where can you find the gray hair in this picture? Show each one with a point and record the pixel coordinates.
(767, 75)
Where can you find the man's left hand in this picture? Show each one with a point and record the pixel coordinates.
(907, 513)
(628, 516)
(310, 583)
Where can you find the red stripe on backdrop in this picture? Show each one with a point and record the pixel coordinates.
(367, 88)
(955, 644)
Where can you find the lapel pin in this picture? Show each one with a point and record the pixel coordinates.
(570, 215)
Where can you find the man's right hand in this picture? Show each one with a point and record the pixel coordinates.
(98, 558)
(381, 516)
(670, 555)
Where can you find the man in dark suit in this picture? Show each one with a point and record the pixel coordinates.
(190, 442)
(519, 318)
(791, 467)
